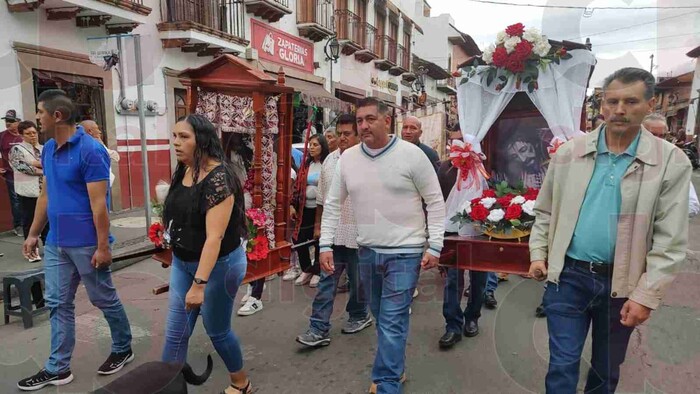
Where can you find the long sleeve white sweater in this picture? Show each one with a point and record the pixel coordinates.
(387, 190)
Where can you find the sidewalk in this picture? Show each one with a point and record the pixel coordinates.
(128, 229)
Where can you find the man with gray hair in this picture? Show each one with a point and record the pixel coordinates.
(611, 230)
(411, 131)
(656, 124)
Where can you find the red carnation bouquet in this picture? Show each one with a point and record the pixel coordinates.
(520, 52)
(500, 209)
(257, 247)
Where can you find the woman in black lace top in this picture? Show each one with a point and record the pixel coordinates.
(204, 220)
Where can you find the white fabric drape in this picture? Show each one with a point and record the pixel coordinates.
(559, 97)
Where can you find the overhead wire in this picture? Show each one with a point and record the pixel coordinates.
(578, 7)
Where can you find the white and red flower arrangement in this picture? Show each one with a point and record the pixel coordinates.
(501, 209)
(520, 52)
(257, 247)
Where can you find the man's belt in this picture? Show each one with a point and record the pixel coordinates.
(602, 269)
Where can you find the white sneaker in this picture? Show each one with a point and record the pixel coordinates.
(247, 294)
(303, 279)
(251, 307)
(314, 281)
(271, 277)
(415, 293)
(291, 274)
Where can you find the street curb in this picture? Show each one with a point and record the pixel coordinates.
(121, 259)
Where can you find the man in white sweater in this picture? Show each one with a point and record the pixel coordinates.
(387, 179)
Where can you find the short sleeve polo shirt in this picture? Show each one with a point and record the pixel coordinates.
(68, 169)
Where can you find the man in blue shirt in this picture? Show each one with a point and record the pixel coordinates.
(74, 201)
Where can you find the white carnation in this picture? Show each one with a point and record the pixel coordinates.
(496, 215)
(533, 35)
(529, 207)
(518, 200)
(487, 56)
(466, 207)
(542, 48)
(488, 202)
(501, 37)
(511, 43)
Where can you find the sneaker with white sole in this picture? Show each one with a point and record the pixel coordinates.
(271, 277)
(251, 307)
(415, 293)
(43, 379)
(314, 281)
(303, 279)
(247, 294)
(291, 274)
(355, 326)
(312, 339)
(115, 362)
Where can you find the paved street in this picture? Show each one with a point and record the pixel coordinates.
(509, 356)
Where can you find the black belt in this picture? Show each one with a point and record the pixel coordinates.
(602, 269)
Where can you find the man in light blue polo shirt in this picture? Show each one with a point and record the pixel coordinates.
(74, 201)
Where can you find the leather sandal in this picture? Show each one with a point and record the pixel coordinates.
(245, 390)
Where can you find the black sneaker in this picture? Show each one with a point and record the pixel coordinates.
(115, 362)
(490, 301)
(43, 379)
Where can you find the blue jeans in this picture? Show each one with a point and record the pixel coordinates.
(14, 204)
(216, 310)
(322, 309)
(452, 297)
(491, 282)
(582, 300)
(388, 281)
(64, 268)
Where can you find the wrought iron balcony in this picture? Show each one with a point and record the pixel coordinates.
(270, 10)
(315, 19)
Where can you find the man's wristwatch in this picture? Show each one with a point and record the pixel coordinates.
(200, 281)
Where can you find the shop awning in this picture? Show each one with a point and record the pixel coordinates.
(315, 95)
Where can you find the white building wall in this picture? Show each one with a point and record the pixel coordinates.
(694, 95)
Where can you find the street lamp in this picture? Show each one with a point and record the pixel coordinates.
(419, 85)
(332, 51)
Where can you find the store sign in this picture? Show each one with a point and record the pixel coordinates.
(383, 84)
(279, 47)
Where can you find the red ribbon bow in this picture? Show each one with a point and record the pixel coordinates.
(468, 162)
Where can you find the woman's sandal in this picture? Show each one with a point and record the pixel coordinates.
(245, 390)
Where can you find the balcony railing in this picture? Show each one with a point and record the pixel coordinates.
(349, 26)
(282, 2)
(370, 42)
(387, 48)
(222, 15)
(315, 11)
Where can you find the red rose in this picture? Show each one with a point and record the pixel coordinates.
(456, 74)
(500, 56)
(479, 213)
(515, 30)
(523, 50)
(562, 51)
(513, 212)
(476, 201)
(514, 65)
(531, 194)
(155, 234)
(505, 200)
(489, 193)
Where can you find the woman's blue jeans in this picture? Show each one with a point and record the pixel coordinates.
(216, 311)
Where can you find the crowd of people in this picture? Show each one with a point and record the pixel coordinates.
(610, 232)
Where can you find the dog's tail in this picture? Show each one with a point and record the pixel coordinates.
(194, 379)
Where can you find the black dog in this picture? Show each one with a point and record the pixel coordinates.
(157, 377)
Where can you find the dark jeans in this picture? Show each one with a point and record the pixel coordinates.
(322, 309)
(14, 203)
(28, 205)
(257, 288)
(454, 288)
(306, 233)
(582, 300)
